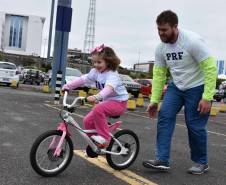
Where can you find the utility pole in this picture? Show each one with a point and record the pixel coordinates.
(44, 49)
(138, 64)
(138, 60)
(50, 29)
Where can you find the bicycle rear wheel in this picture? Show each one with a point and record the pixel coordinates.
(130, 141)
(42, 156)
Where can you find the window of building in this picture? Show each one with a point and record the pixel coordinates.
(16, 30)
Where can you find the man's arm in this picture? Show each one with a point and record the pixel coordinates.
(159, 80)
(209, 69)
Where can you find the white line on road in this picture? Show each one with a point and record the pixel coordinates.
(133, 114)
(211, 132)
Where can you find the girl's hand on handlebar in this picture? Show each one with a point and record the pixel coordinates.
(91, 99)
(65, 88)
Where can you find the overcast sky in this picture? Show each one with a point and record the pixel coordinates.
(129, 25)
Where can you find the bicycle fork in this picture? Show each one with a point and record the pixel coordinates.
(62, 126)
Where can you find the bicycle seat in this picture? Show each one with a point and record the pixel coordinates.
(114, 117)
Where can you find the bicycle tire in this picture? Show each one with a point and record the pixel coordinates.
(130, 161)
(35, 146)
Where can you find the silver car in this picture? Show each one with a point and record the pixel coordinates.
(131, 86)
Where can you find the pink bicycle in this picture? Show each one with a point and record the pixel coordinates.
(52, 152)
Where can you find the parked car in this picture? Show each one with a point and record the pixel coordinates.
(70, 74)
(32, 76)
(146, 86)
(131, 86)
(220, 95)
(8, 73)
(42, 74)
(20, 70)
(48, 76)
(23, 73)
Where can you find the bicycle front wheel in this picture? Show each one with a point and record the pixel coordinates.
(42, 157)
(130, 141)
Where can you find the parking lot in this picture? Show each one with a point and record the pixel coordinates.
(26, 113)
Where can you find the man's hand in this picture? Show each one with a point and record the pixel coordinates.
(204, 106)
(91, 99)
(152, 109)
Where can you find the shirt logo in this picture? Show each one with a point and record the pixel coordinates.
(99, 85)
(174, 56)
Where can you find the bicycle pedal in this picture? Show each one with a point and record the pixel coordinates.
(90, 152)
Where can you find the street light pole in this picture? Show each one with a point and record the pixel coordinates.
(138, 60)
(44, 49)
(50, 29)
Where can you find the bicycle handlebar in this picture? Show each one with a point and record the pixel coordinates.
(76, 100)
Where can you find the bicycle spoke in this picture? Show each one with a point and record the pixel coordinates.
(42, 158)
(128, 141)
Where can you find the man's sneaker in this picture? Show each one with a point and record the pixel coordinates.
(198, 169)
(100, 141)
(156, 164)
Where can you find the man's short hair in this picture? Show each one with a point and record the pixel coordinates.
(167, 16)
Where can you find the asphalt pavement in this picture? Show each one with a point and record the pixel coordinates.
(26, 114)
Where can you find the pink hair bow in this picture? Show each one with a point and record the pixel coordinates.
(98, 49)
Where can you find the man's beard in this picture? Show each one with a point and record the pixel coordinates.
(169, 39)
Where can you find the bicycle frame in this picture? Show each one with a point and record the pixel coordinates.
(68, 120)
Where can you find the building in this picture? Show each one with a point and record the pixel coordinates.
(144, 67)
(77, 56)
(221, 65)
(148, 66)
(21, 34)
(74, 54)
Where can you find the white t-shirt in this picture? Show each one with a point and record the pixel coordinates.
(99, 80)
(183, 58)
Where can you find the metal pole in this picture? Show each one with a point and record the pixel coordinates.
(138, 60)
(44, 50)
(63, 27)
(50, 29)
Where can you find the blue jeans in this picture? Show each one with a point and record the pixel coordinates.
(173, 101)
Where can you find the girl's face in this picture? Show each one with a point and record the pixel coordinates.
(99, 63)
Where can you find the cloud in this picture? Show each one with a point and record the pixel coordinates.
(129, 26)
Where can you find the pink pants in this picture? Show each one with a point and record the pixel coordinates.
(97, 117)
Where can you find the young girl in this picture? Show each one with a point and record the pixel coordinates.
(112, 96)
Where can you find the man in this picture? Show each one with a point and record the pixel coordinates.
(194, 73)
